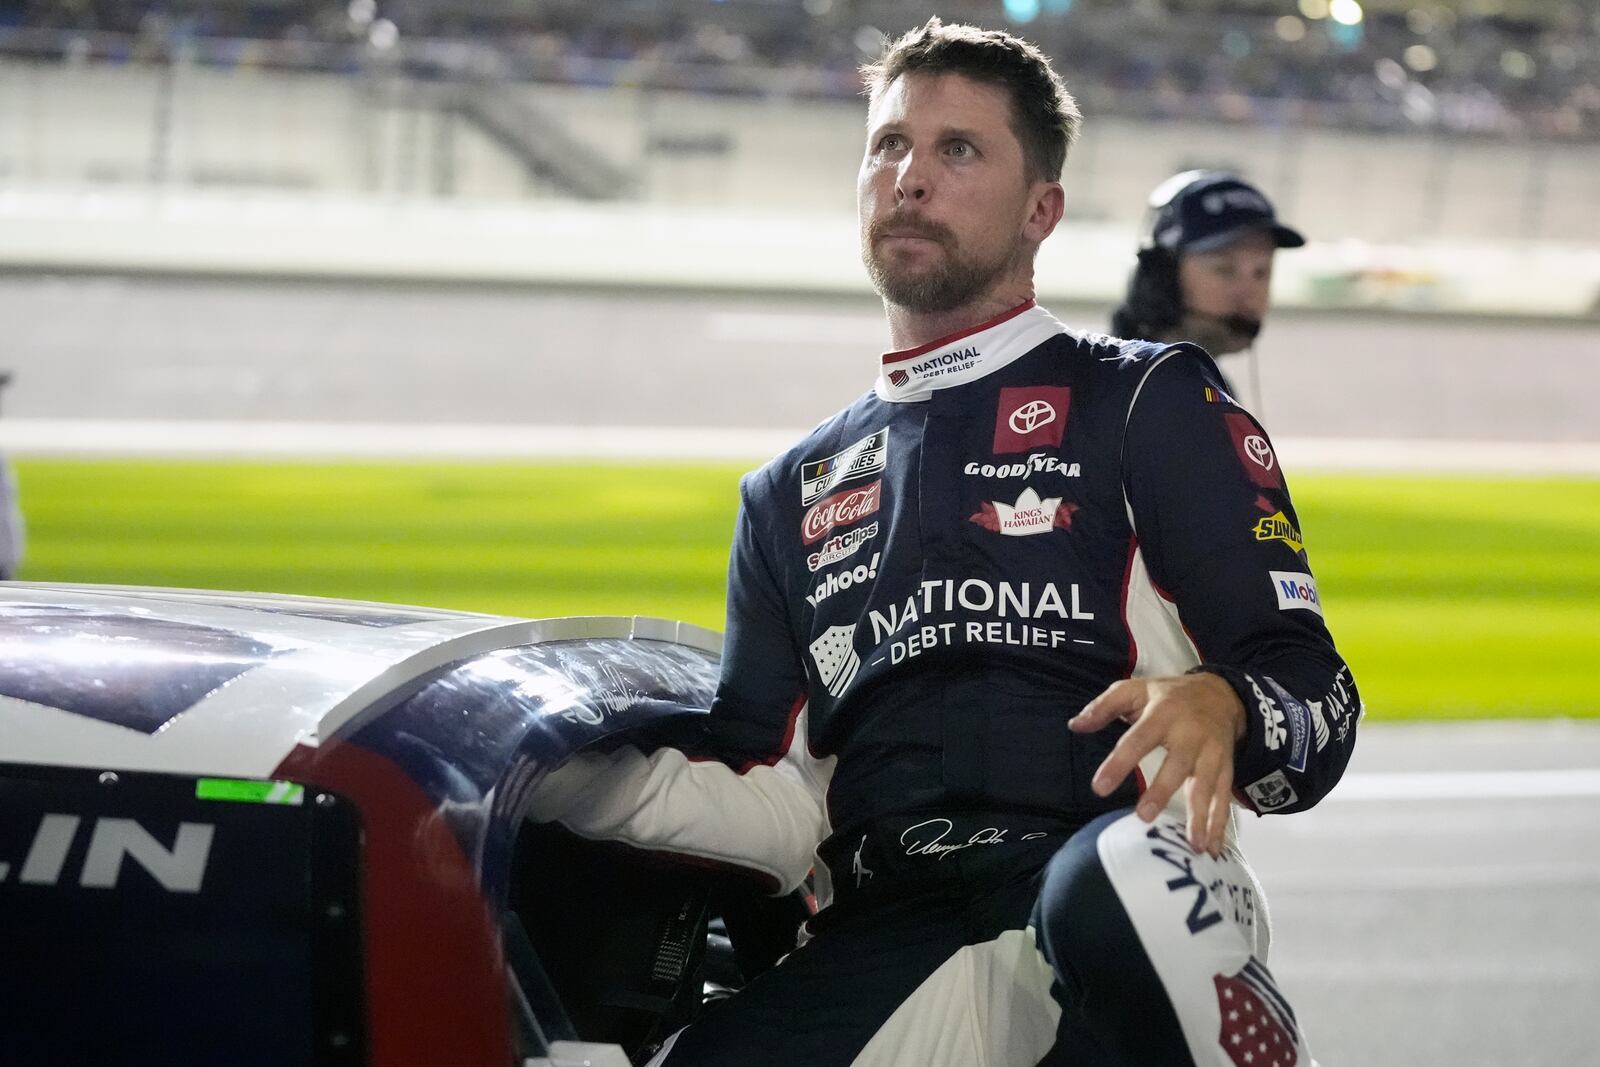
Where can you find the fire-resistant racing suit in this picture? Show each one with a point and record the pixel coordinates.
(921, 594)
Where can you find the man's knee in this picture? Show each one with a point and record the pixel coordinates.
(1115, 1006)
(1082, 923)
(1078, 918)
(1153, 939)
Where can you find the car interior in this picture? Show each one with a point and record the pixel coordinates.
(611, 945)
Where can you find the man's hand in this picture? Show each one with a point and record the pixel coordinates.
(1199, 718)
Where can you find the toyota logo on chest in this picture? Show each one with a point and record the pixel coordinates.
(1031, 416)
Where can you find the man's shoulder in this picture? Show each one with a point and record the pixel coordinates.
(1131, 359)
(1120, 354)
(857, 432)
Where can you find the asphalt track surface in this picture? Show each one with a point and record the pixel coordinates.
(164, 348)
(1441, 907)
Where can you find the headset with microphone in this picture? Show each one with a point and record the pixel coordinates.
(1195, 211)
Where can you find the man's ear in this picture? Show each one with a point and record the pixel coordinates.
(1049, 203)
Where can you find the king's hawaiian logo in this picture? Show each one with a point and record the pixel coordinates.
(1029, 515)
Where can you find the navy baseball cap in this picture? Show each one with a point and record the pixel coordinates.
(1202, 210)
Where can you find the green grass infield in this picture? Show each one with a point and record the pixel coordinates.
(1452, 597)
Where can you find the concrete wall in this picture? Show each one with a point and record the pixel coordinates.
(73, 125)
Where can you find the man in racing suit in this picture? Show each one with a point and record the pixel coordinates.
(1006, 638)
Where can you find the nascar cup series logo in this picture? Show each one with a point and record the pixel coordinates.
(861, 460)
(841, 509)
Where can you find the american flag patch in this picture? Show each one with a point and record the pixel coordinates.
(898, 378)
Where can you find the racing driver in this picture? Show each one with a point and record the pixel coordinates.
(1007, 640)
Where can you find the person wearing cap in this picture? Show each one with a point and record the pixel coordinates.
(1205, 264)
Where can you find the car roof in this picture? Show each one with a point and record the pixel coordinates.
(202, 681)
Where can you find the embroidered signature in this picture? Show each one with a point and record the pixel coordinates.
(927, 838)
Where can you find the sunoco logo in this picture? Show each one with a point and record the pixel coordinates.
(1277, 527)
(841, 509)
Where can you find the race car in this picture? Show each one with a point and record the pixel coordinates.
(245, 828)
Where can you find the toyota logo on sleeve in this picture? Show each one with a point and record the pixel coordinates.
(1031, 415)
(1257, 450)
(1255, 453)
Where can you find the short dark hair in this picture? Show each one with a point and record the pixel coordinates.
(1044, 116)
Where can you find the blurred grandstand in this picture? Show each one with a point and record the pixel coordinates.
(1508, 68)
(1397, 123)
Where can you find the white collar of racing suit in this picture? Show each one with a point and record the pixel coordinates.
(966, 356)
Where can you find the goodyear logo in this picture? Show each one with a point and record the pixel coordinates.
(1277, 527)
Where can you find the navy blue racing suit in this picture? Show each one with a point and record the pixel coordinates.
(946, 571)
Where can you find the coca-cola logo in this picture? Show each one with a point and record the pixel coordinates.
(841, 509)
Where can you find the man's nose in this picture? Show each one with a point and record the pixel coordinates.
(911, 183)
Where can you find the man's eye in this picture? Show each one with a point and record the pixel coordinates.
(960, 148)
(891, 142)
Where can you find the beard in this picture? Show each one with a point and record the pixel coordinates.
(952, 282)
